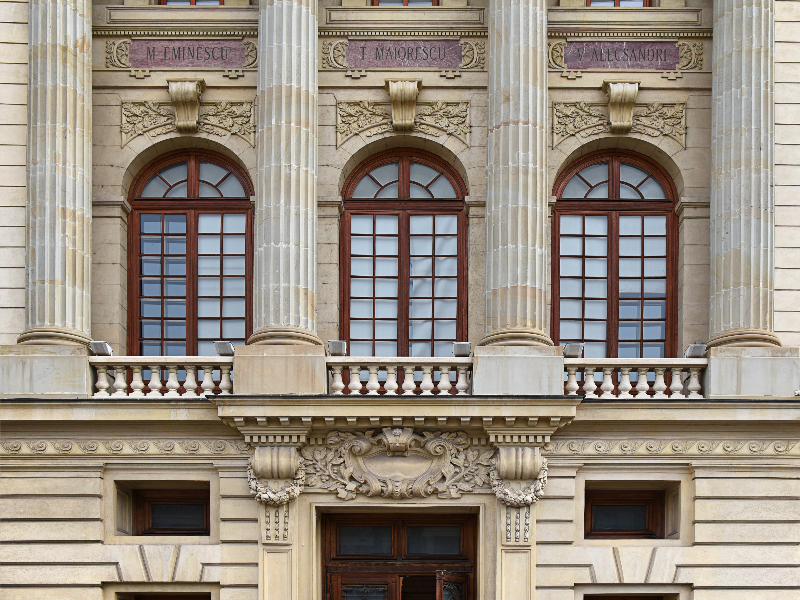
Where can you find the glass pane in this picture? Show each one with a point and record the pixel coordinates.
(386, 329)
(443, 349)
(630, 267)
(595, 267)
(655, 246)
(421, 266)
(208, 307)
(655, 309)
(208, 244)
(233, 244)
(596, 309)
(175, 309)
(444, 330)
(419, 349)
(360, 348)
(446, 267)
(175, 348)
(421, 224)
(571, 224)
(390, 191)
(386, 246)
(361, 224)
(576, 188)
(629, 309)
(572, 267)
(150, 223)
(570, 330)
(361, 266)
(594, 350)
(386, 267)
(361, 308)
(385, 173)
(637, 3)
(233, 265)
(211, 172)
(233, 307)
(175, 266)
(445, 288)
(175, 329)
(361, 288)
(208, 329)
(594, 174)
(596, 225)
(209, 223)
(365, 540)
(233, 329)
(150, 308)
(652, 350)
(385, 309)
(206, 191)
(655, 267)
(655, 225)
(178, 516)
(571, 245)
(633, 175)
(208, 265)
(364, 592)
(174, 223)
(445, 309)
(417, 191)
(420, 309)
(361, 329)
(447, 224)
(596, 288)
(655, 288)
(630, 246)
(452, 591)
(420, 330)
(155, 188)
(630, 288)
(205, 348)
(629, 351)
(179, 191)
(654, 330)
(174, 173)
(208, 286)
(652, 190)
(422, 174)
(626, 192)
(601, 191)
(570, 309)
(442, 188)
(150, 244)
(629, 331)
(150, 266)
(571, 287)
(386, 348)
(231, 188)
(447, 245)
(149, 349)
(386, 287)
(175, 244)
(619, 518)
(233, 286)
(386, 224)
(150, 329)
(630, 225)
(174, 287)
(366, 188)
(596, 246)
(234, 223)
(594, 330)
(434, 540)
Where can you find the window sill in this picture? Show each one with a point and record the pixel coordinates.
(144, 540)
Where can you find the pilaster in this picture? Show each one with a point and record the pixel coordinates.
(59, 190)
(284, 290)
(516, 173)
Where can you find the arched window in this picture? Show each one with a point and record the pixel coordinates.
(190, 255)
(403, 257)
(614, 257)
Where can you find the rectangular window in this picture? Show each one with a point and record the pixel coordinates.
(624, 514)
(171, 512)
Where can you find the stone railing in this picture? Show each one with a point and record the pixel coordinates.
(401, 375)
(186, 376)
(638, 378)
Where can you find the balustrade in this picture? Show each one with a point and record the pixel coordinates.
(401, 375)
(634, 378)
(196, 376)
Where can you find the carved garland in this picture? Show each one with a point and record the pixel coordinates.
(276, 496)
(432, 118)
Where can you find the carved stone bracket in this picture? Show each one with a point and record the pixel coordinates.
(185, 95)
(373, 118)
(215, 118)
(584, 120)
(276, 462)
(621, 98)
(403, 96)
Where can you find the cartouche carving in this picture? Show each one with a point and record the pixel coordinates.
(117, 54)
(691, 55)
(555, 55)
(333, 54)
(251, 54)
(473, 55)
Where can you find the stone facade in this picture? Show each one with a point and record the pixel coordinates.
(516, 435)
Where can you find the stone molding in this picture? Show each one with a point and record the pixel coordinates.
(216, 118)
(123, 447)
(374, 118)
(585, 119)
(671, 447)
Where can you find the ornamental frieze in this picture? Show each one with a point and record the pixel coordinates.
(669, 57)
(123, 447)
(668, 447)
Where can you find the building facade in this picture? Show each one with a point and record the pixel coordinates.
(400, 300)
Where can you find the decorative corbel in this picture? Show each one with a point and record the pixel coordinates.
(403, 94)
(185, 96)
(276, 463)
(522, 464)
(621, 98)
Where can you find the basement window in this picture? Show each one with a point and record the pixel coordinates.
(163, 510)
(624, 514)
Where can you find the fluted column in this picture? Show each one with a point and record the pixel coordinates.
(59, 191)
(742, 203)
(284, 289)
(516, 197)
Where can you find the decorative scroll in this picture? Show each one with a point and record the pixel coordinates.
(473, 56)
(333, 55)
(124, 447)
(691, 55)
(555, 55)
(373, 118)
(216, 118)
(117, 54)
(645, 447)
(251, 54)
(583, 119)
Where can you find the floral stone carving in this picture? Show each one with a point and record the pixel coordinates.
(117, 54)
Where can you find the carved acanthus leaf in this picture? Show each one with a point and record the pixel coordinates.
(355, 117)
(155, 118)
(577, 119)
(691, 55)
(333, 54)
(448, 116)
(117, 54)
(660, 119)
(555, 55)
(228, 117)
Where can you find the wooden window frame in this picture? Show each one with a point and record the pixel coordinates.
(404, 208)
(656, 515)
(614, 208)
(647, 4)
(143, 501)
(192, 206)
(368, 568)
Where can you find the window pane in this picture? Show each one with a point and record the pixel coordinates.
(360, 348)
(385, 309)
(629, 351)
(629, 331)
(174, 287)
(390, 191)
(361, 329)
(174, 173)
(420, 330)
(570, 330)
(208, 286)
(155, 188)
(596, 288)
(365, 540)
(630, 267)
(386, 267)
(655, 225)
(233, 307)
(175, 309)
(233, 265)
(175, 329)
(361, 266)
(386, 348)
(150, 308)
(231, 188)
(654, 288)
(361, 224)
(233, 329)
(630, 225)
(174, 244)
(619, 518)
(386, 224)
(366, 188)
(654, 330)
(655, 267)
(596, 225)
(572, 267)
(596, 246)
(178, 516)
(570, 309)
(233, 244)
(419, 349)
(595, 309)
(174, 223)
(386, 287)
(434, 540)
(571, 245)
(423, 174)
(150, 244)
(361, 308)
(447, 245)
(444, 330)
(150, 266)
(366, 592)
(233, 286)
(234, 223)
(206, 191)
(571, 224)
(442, 188)
(179, 191)
(209, 223)
(386, 246)
(445, 288)
(652, 190)
(594, 330)
(594, 350)
(594, 174)
(629, 309)
(655, 309)
(417, 191)
(571, 287)
(386, 329)
(420, 288)
(208, 244)
(212, 173)
(207, 307)
(361, 288)
(150, 329)
(630, 247)
(446, 267)
(601, 191)
(632, 175)
(653, 350)
(385, 173)
(445, 309)
(626, 192)
(447, 224)
(630, 288)
(595, 267)
(208, 329)
(421, 245)
(175, 348)
(420, 309)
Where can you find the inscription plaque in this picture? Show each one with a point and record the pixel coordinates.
(661, 56)
(187, 54)
(412, 54)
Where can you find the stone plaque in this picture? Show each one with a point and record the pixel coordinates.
(187, 54)
(399, 54)
(660, 56)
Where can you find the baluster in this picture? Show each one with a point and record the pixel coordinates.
(660, 385)
(190, 385)
(408, 383)
(172, 382)
(155, 382)
(225, 384)
(676, 385)
(589, 386)
(102, 382)
(608, 385)
(462, 385)
(338, 385)
(120, 382)
(625, 383)
(391, 381)
(137, 383)
(444, 380)
(373, 385)
(642, 387)
(208, 380)
(694, 382)
(571, 387)
(355, 379)
(427, 381)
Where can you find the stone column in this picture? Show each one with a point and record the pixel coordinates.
(284, 287)
(59, 191)
(742, 203)
(516, 173)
